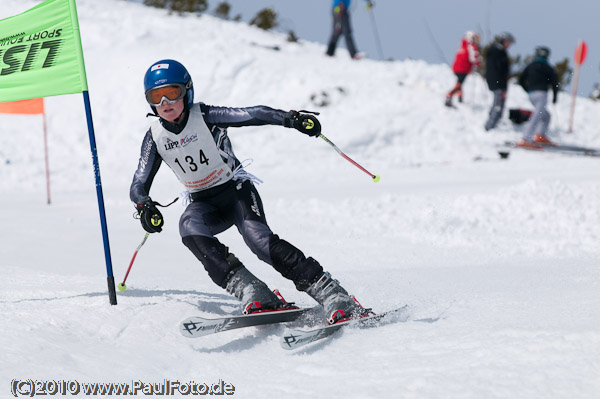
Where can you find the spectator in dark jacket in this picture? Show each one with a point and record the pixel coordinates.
(342, 25)
(536, 79)
(497, 70)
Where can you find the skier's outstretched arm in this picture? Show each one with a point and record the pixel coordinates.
(261, 115)
(238, 117)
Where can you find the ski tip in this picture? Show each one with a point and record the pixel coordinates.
(293, 339)
(194, 327)
(288, 339)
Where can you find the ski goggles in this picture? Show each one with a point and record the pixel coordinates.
(171, 92)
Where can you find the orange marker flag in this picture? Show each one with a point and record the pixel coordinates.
(34, 106)
(31, 107)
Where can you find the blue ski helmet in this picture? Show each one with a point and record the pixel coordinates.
(165, 72)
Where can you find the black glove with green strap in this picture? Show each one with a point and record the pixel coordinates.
(150, 217)
(306, 123)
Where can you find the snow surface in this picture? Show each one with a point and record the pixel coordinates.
(503, 253)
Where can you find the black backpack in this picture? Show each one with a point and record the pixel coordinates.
(518, 115)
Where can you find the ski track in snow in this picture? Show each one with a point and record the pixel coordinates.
(503, 254)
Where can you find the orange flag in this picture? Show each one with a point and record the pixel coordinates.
(31, 107)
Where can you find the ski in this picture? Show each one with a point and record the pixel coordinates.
(194, 327)
(293, 339)
(559, 148)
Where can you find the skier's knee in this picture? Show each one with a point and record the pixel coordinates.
(257, 237)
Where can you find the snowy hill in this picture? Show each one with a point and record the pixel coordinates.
(503, 253)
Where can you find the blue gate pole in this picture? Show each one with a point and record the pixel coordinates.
(112, 294)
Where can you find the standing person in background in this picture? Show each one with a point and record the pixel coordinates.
(497, 70)
(466, 58)
(536, 79)
(341, 25)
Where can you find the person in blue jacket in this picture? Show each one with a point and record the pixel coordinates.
(342, 25)
(191, 138)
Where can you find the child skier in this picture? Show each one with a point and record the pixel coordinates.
(467, 57)
(191, 138)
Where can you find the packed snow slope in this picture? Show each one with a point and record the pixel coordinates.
(502, 255)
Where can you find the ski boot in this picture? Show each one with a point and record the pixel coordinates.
(529, 144)
(338, 305)
(254, 294)
(543, 139)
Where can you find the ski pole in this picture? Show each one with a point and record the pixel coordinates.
(122, 286)
(435, 42)
(375, 31)
(375, 178)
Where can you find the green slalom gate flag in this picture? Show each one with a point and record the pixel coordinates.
(40, 53)
(41, 56)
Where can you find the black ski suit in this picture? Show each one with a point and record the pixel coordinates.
(222, 195)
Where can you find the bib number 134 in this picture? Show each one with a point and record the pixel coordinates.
(191, 163)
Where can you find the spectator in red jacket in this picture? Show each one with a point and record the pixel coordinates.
(466, 58)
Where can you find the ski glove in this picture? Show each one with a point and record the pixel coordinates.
(150, 217)
(305, 123)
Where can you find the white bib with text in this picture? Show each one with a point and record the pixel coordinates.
(192, 154)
